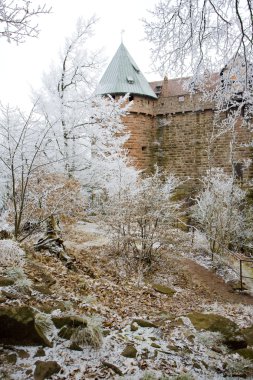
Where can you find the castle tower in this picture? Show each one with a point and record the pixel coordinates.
(124, 76)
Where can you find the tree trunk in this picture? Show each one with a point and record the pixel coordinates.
(54, 243)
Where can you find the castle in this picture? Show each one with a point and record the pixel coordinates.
(169, 126)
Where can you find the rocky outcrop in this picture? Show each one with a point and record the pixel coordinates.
(232, 335)
(69, 320)
(19, 325)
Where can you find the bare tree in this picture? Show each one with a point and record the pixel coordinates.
(18, 19)
(193, 35)
(139, 218)
(88, 129)
(76, 71)
(212, 41)
(25, 155)
(219, 211)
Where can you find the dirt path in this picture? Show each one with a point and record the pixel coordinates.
(195, 285)
(214, 285)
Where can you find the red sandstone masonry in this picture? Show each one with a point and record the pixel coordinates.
(174, 131)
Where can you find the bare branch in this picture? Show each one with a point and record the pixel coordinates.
(18, 19)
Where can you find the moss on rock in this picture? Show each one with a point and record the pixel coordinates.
(129, 351)
(246, 353)
(163, 289)
(18, 326)
(233, 338)
(213, 322)
(144, 323)
(248, 334)
(6, 281)
(69, 320)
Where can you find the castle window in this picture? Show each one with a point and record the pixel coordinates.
(238, 170)
(158, 90)
(130, 79)
(136, 69)
(143, 148)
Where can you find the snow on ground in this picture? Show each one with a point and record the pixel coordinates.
(173, 351)
(175, 347)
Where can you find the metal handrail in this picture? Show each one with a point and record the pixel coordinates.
(239, 256)
(241, 271)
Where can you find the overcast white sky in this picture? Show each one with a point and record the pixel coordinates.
(22, 66)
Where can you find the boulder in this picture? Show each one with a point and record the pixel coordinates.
(11, 358)
(43, 289)
(134, 326)
(248, 334)
(69, 320)
(115, 369)
(40, 352)
(45, 328)
(235, 341)
(144, 323)
(129, 351)
(22, 354)
(6, 281)
(18, 326)
(232, 336)
(44, 370)
(10, 294)
(246, 353)
(163, 289)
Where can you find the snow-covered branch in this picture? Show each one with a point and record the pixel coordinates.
(18, 19)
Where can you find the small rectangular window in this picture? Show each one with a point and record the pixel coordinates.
(130, 79)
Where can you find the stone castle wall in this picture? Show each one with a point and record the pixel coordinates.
(175, 133)
(184, 144)
(140, 123)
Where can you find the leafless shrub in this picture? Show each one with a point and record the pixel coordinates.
(88, 336)
(218, 211)
(138, 220)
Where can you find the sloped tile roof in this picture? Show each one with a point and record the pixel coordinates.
(124, 76)
(175, 87)
(178, 86)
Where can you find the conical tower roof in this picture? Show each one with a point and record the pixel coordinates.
(123, 76)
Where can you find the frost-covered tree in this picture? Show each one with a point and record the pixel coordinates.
(203, 37)
(67, 86)
(31, 189)
(139, 218)
(88, 130)
(18, 19)
(23, 145)
(212, 42)
(219, 211)
(196, 35)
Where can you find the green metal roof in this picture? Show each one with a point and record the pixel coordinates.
(123, 76)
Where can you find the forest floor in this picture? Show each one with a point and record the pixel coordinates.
(149, 322)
